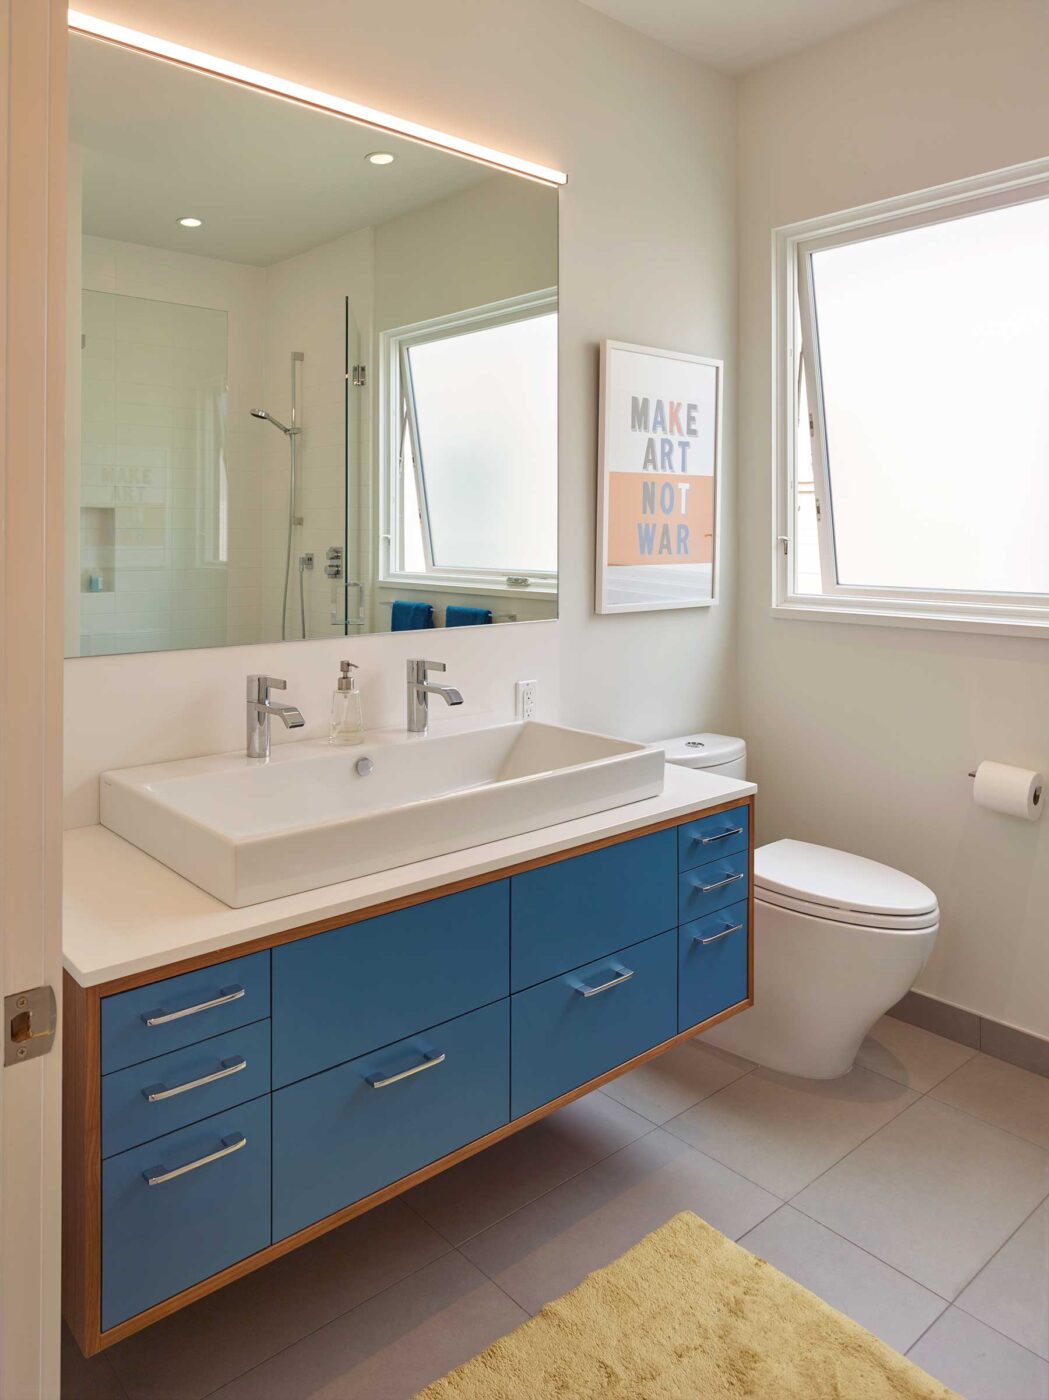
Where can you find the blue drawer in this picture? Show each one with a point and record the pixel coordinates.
(160, 1239)
(713, 964)
(576, 910)
(183, 1010)
(713, 886)
(346, 1133)
(710, 838)
(339, 994)
(158, 1096)
(568, 1031)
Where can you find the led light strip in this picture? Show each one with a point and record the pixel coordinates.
(310, 97)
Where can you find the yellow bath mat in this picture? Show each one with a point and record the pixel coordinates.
(688, 1315)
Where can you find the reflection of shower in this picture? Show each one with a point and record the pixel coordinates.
(293, 485)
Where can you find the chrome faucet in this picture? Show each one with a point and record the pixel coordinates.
(419, 691)
(261, 708)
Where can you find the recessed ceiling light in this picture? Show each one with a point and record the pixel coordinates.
(190, 222)
(380, 158)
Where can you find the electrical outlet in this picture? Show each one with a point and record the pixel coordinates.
(524, 695)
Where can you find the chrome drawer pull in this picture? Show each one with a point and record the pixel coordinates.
(585, 991)
(717, 937)
(378, 1081)
(161, 1018)
(156, 1092)
(736, 831)
(156, 1176)
(706, 889)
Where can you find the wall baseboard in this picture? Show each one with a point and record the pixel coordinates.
(1020, 1048)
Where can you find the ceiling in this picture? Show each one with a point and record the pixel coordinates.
(269, 178)
(736, 35)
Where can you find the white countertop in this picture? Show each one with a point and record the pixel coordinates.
(124, 912)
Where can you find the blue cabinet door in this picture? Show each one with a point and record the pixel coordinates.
(713, 886)
(161, 1016)
(183, 1207)
(576, 910)
(339, 994)
(583, 1023)
(153, 1098)
(341, 1135)
(709, 838)
(713, 964)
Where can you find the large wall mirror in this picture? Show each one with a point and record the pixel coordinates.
(313, 372)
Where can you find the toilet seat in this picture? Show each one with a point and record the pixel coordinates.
(824, 883)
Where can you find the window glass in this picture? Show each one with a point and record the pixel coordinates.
(932, 350)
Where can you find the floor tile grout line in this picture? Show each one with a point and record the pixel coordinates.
(987, 1122)
(939, 1316)
(1023, 1223)
(787, 1199)
(998, 1333)
(653, 1127)
(688, 1107)
(328, 1321)
(788, 1205)
(820, 1175)
(702, 1152)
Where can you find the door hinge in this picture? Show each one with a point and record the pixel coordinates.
(812, 426)
(819, 512)
(359, 378)
(30, 1020)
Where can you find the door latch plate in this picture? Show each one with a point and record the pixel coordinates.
(30, 1020)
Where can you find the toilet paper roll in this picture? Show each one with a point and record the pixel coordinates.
(1015, 791)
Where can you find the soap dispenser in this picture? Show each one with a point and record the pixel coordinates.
(347, 721)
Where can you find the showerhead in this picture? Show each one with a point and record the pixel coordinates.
(269, 418)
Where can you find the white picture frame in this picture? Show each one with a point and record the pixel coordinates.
(659, 479)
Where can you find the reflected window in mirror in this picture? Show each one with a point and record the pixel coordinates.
(473, 471)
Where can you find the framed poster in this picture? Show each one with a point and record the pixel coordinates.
(659, 474)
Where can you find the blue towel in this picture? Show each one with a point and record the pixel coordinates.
(410, 617)
(455, 616)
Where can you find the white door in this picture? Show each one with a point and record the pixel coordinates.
(32, 315)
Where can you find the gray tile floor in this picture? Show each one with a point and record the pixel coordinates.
(913, 1194)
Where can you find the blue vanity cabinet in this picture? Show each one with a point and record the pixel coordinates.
(161, 1016)
(341, 1135)
(578, 1026)
(182, 1207)
(572, 911)
(341, 993)
(713, 964)
(710, 838)
(147, 1100)
(213, 1114)
(713, 886)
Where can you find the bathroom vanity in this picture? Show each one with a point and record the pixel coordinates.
(239, 1081)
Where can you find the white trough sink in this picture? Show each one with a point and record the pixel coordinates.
(247, 830)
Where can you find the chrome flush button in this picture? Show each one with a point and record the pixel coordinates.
(364, 766)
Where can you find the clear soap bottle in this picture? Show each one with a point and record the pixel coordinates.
(347, 720)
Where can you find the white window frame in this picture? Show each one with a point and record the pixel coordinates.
(393, 352)
(792, 323)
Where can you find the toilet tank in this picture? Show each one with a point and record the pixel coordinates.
(715, 753)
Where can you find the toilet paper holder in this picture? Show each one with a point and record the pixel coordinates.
(1036, 799)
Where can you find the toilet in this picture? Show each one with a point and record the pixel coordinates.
(838, 939)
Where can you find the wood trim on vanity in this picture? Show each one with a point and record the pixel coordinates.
(82, 1097)
(81, 1163)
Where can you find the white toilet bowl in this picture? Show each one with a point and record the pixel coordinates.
(838, 939)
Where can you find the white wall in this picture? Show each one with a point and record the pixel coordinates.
(862, 736)
(647, 254)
